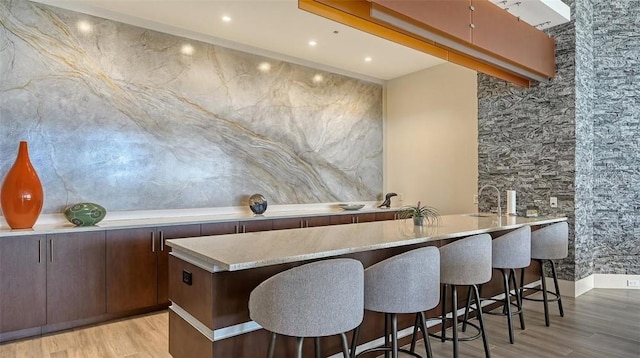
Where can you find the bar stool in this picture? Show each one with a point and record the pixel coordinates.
(405, 283)
(465, 262)
(509, 252)
(319, 299)
(547, 244)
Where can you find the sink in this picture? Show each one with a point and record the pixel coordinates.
(478, 215)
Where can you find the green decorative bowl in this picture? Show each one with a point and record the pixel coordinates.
(85, 214)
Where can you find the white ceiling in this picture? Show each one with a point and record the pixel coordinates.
(276, 28)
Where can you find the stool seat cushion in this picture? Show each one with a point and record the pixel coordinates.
(512, 250)
(405, 283)
(318, 299)
(550, 242)
(466, 261)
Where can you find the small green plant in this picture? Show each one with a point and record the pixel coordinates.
(420, 214)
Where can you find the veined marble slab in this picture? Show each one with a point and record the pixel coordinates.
(251, 250)
(135, 119)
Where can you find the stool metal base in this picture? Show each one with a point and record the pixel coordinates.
(443, 318)
(544, 290)
(300, 340)
(391, 346)
(507, 303)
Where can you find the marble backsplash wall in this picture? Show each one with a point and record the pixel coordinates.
(135, 119)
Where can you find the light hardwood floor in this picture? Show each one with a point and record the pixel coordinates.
(600, 323)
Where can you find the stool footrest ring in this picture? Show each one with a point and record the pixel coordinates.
(464, 339)
(552, 299)
(387, 349)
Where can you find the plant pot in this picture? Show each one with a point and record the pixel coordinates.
(418, 220)
(21, 195)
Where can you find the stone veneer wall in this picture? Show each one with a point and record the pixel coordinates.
(576, 138)
(118, 115)
(616, 141)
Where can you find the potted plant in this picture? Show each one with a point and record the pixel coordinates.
(420, 214)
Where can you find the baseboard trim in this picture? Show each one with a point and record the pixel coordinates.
(577, 288)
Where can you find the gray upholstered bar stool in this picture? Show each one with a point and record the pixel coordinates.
(465, 262)
(319, 299)
(405, 283)
(509, 252)
(547, 244)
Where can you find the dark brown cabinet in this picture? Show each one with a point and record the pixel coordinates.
(75, 276)
(132, 269)
(137, 266)
(386, 215)
(352, 218)
(297, 223)
(167, 233)
(22, 282)
(236, 227)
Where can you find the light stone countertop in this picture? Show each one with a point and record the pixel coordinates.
(251, 250)
(56, 223)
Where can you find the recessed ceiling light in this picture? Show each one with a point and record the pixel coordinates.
(264, 66)
(317, 78)
(226, 18)
(368, 59)
(84, 26)
(187, 49)
(312, 43)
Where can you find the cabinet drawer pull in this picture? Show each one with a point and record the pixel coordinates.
(161, 241)
(50, 250)
(39, 251)
(153, 242)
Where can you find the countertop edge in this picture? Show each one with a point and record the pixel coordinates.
(206, 260)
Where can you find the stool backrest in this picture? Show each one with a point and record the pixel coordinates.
(318, 299)
(512, 250)
(550, 242)
(466, 261)
(405, 283)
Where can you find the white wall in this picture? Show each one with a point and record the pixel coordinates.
(431, 138)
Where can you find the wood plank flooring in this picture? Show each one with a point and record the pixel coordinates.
(600, 323)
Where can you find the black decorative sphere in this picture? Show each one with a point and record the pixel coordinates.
(257, 204)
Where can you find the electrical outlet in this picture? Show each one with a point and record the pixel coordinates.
(633, 283)
(553, 202)
(475, 198)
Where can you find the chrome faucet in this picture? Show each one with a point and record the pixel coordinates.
(497, 192)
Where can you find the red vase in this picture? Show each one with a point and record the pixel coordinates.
(21, 195)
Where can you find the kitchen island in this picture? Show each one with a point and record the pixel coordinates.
(211, 277)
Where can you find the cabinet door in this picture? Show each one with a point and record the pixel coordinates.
(342, 219)
(76, 280)
(167, 233)
(365, 218)
(131, 269)
(317, 221)
(22, 282)
(255, 225)
(387, 215)
(293, 223)
(221, 228)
